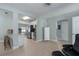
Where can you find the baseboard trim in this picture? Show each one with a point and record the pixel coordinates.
(15, 47)
(18, 47)
(46, 40)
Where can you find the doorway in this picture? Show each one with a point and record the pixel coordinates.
(62, 31)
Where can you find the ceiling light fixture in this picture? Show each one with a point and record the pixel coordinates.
(25, 17)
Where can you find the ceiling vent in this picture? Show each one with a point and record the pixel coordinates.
(47, 4)
(6, 12)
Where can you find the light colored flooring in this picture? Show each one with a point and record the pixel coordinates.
(32, 48)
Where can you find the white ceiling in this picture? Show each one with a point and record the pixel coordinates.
(37, 9)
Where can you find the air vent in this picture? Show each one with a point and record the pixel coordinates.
(47, 4)
(6, 12)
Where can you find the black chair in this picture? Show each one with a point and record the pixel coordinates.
(69, 50)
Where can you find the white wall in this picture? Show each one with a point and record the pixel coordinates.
(9, 21)
(52, 22)
(75, 27)
(14, 22)
(41, 23)
(52, 18)
(64, 30)
(52, 25)
(5, 23)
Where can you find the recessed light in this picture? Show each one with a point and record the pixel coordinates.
(25, 17)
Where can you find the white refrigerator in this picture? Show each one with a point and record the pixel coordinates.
(46, 33)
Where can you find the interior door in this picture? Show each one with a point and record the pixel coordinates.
(64, 30)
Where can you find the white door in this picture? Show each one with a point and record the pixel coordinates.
(46, 33)
(64, 30)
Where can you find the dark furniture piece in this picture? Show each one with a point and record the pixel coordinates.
(57, 53)
(69, 50)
